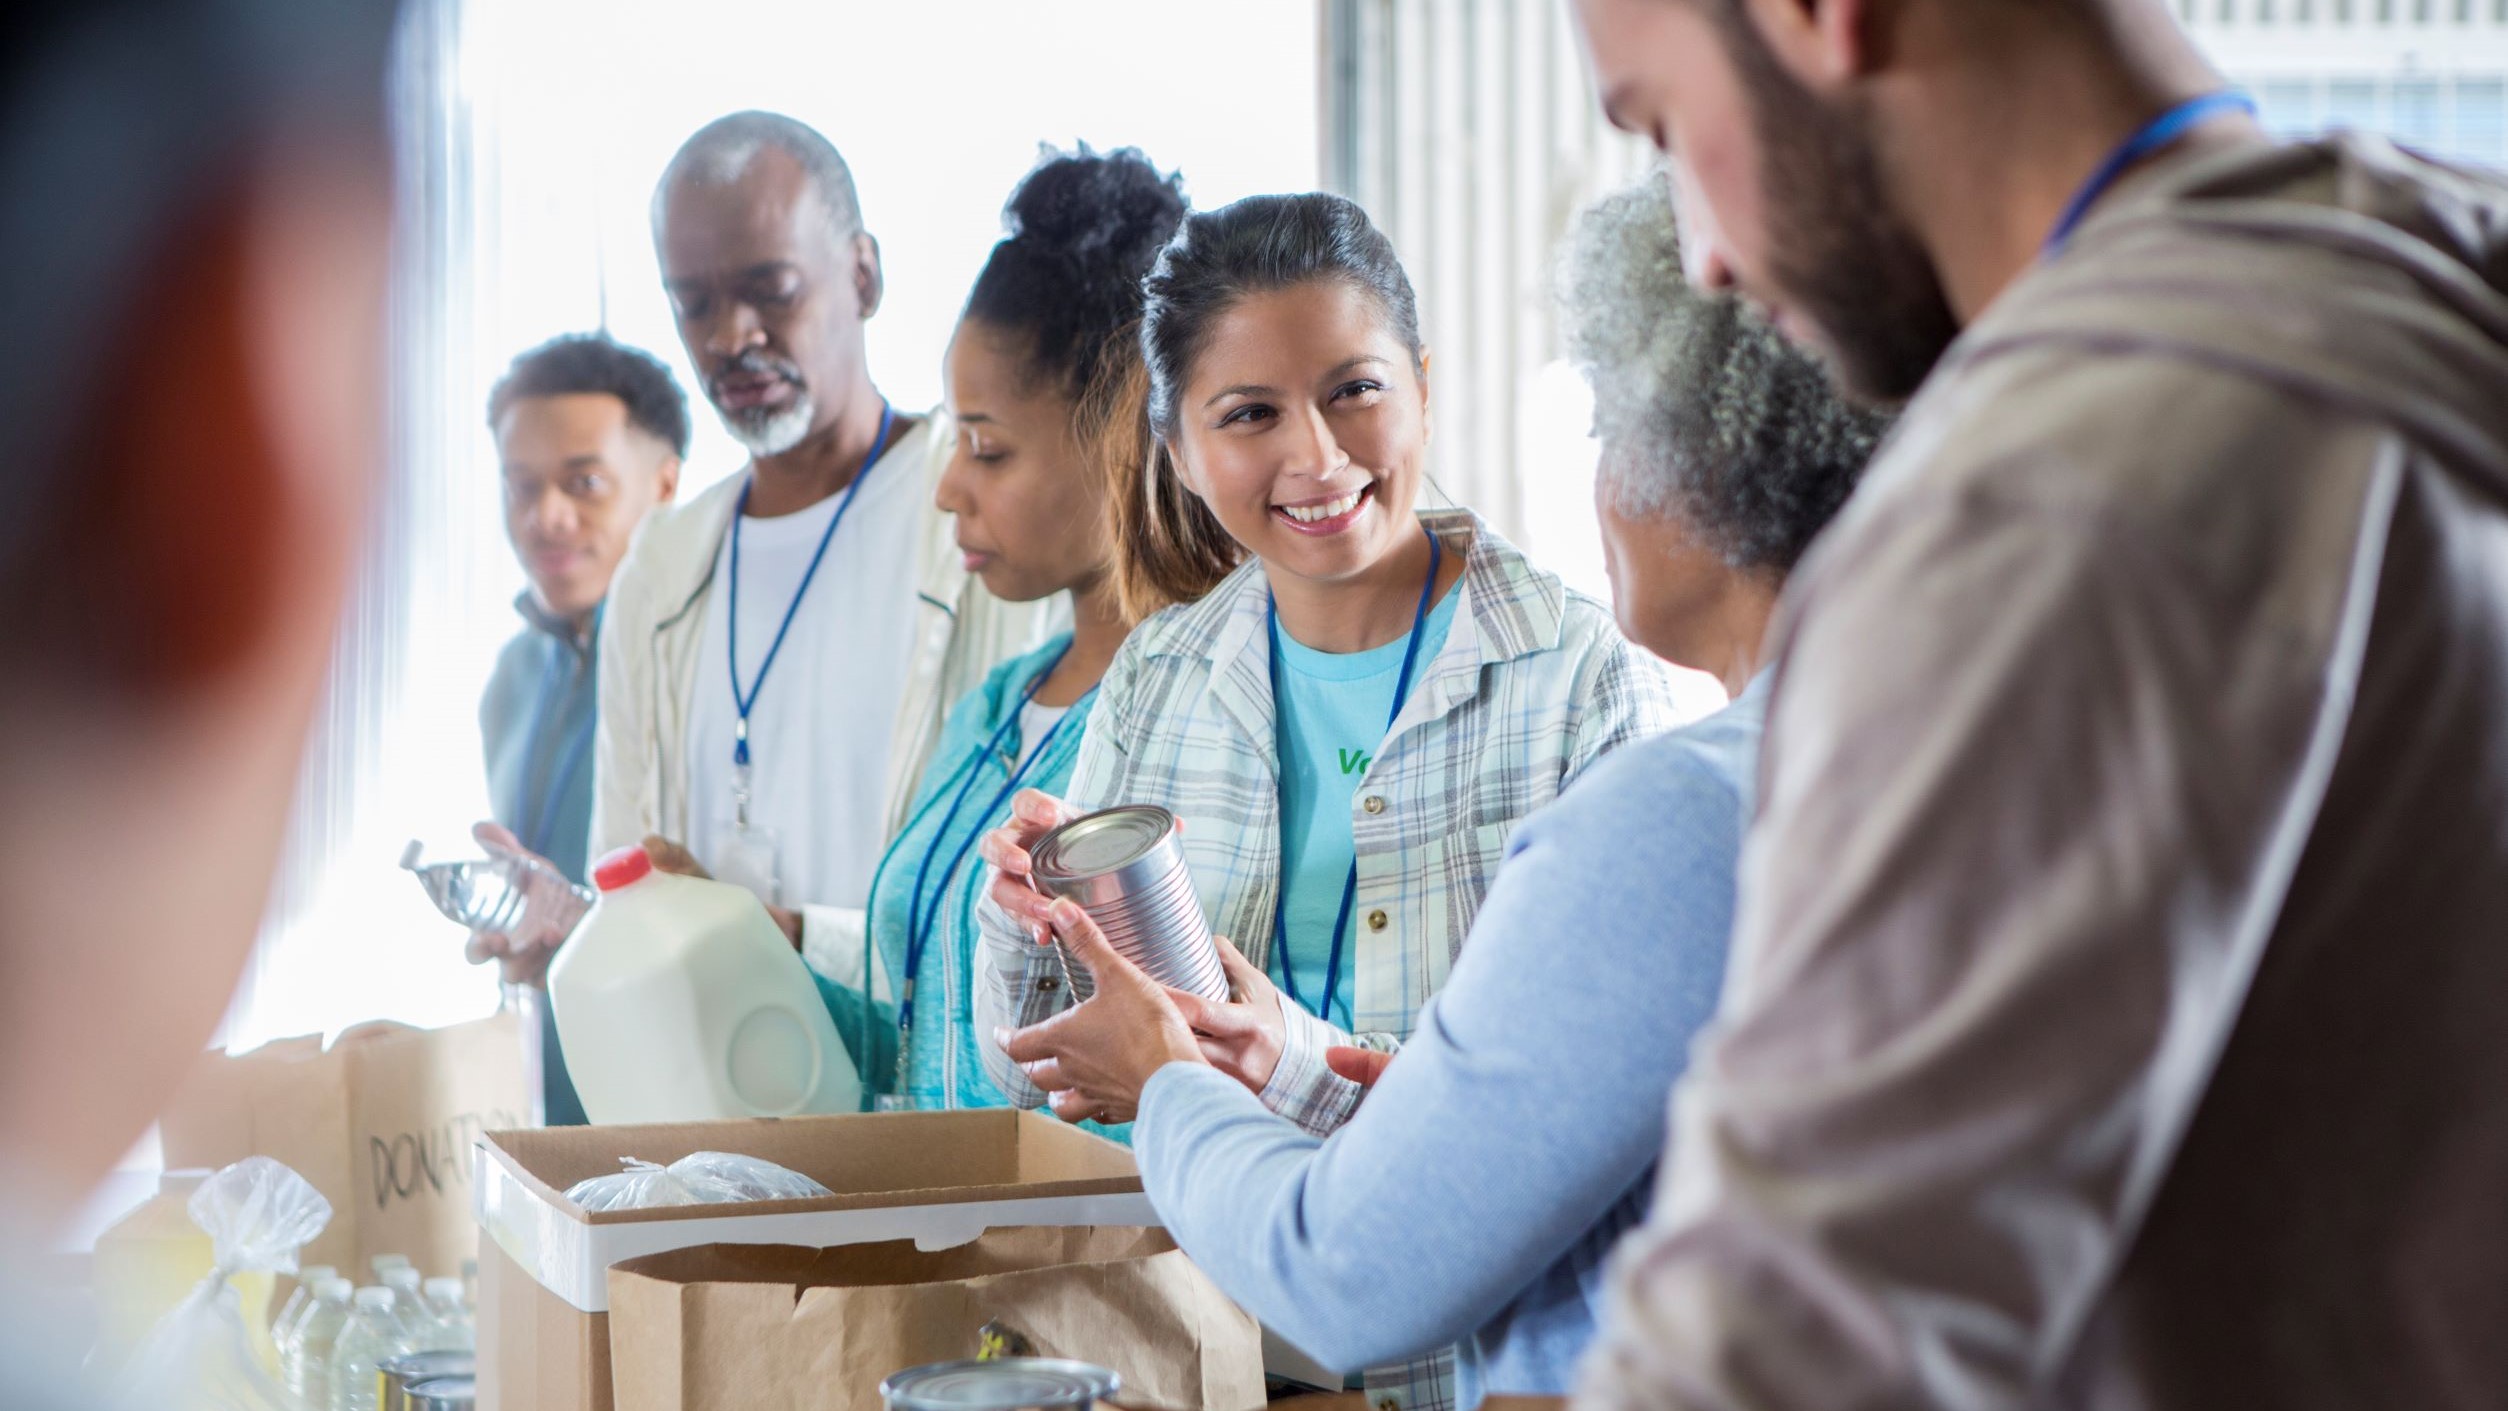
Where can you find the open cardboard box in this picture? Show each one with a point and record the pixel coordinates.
(937, 1178)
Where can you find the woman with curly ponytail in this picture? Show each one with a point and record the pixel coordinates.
(1045, 395)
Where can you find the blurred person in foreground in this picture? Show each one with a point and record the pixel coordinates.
(1475, 1193)
(589, 436)
(191, 387)
(780, 650)
(2115, 1009)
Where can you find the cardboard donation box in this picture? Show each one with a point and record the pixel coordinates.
(382, 1123)
(732, 1327)
(936, 1179)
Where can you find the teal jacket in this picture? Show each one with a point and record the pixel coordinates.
(969, 768)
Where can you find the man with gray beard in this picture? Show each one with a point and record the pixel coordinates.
(778, 651)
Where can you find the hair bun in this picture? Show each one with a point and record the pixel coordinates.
(1083, 230)
(1087, 205)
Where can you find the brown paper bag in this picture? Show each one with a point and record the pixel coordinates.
(382, 1124)
(749, 1327)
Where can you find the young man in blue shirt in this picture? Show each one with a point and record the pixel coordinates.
(589, 435)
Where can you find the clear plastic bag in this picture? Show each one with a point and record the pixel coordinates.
(700, 1178)
(257, 1214)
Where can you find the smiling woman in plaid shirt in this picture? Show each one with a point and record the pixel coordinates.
(1288, 392)
(1479, 1191)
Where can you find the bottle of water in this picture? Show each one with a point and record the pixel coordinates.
(299, 1303)
(385, 1263)
(454, 1328)
(509, 892)
(373, 1337)
(306, 1360)
(409, 1304)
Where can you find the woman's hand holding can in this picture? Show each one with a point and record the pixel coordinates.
(1033, 814)
(1241, 1036)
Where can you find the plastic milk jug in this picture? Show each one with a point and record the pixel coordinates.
(680, 1000)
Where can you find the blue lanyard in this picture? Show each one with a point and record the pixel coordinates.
(920, 916)
(2149, 138)
(535, 824)
(1349, 886)
(743, 703)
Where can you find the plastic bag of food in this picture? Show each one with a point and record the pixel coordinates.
(257, 1214)
(700, 1178)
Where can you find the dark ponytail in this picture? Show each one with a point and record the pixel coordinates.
(1169, 546)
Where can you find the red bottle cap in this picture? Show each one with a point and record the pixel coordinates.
(617, 869)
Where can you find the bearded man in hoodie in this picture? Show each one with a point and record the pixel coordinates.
(2114, 1015)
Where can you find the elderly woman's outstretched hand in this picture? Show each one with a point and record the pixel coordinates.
(1093, 1060)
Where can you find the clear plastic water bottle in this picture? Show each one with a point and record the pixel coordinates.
(299, 1303)
(507, 892)
(383, 1265)
(409, 1304)
(454, 1329)
(374, 1336)
(306, 1362)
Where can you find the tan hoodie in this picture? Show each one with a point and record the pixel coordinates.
(2119, 1008)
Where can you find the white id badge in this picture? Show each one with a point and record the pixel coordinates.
(746, 858)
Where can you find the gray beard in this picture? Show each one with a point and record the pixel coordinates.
(776, 433)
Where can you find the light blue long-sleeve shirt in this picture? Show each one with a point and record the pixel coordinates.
(1476, 1193)
(536, 721)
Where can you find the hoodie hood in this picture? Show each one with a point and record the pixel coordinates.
(2345, 271)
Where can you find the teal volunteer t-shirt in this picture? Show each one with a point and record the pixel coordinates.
(1332, 718)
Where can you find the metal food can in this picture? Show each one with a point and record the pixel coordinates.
(1009, 1384)
(445, 1394)
(1125, 868)
(401, 1373)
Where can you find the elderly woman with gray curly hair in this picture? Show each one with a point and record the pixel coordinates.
(1498, 1158)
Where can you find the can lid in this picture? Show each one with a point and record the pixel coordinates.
(617, 869)
(1006, 1384)
(1101, 842)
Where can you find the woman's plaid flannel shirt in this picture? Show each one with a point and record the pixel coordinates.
(1533, 684)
